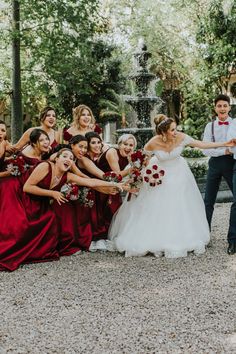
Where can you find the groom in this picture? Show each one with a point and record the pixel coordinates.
(221, 161)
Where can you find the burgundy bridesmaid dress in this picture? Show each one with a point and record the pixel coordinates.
(68, 238)
(54, 144)
(106, 205)
(83, 215)
(2, 162)
(66, 136)
(28, 230)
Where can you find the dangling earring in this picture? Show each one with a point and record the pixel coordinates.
(164, 139)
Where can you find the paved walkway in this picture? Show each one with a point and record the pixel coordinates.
(105, 303)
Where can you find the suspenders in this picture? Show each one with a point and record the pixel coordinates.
(212, 130)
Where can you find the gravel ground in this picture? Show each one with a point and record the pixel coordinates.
(105, 303)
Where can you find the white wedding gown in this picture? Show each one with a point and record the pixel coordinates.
(167, 219)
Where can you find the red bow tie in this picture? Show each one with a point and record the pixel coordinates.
(223, 123)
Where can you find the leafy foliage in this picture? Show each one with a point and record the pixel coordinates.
(192, 153)
(198, 169)
(216, 34)
(65, 61)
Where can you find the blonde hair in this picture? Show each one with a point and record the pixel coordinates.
(123, 138)
(77, 113)
(162, 123)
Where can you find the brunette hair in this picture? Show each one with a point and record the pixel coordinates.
(91, 135)
(77, 113)
(162, 123)
(4, 123)
(77, 139)
(222, 97)
(35, 135)
(124, 137)
(62, 150)
(44, 112)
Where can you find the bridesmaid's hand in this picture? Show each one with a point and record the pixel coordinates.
(59, 197)
(123, 187)
(10, 148)
(134, 190)
(107, 190)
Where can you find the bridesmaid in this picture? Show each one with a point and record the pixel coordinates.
(113, 159)
(116, 160)
(48, 121)
(11, 196)
(3, 147)
(35, 236)
(83, 122)
(74, 220)
(32, 154)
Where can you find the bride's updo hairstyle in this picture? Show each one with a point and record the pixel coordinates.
(162, 123)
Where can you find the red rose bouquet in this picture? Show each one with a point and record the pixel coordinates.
(111, 176)
(72, 191)
(86, 197)
(137, 161)
(153, 175)
(16, 165)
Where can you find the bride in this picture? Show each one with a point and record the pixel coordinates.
(169, 218)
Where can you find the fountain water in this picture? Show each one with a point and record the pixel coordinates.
(142, 103)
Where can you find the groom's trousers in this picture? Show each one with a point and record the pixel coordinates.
(221, 166)
(232, 220)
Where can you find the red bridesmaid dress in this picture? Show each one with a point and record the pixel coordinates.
(66, 136)
(28, 230)
(106, 205)
(83, 215)
(68, 239)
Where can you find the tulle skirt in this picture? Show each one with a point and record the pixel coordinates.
(168, 219)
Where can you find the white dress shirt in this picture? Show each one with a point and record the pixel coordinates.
(220, 134)
(231, 134)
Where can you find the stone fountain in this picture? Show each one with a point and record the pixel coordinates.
(142, 102)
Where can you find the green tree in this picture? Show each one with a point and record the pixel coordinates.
(65, 61)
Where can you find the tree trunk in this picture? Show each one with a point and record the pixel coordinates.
(16, 119)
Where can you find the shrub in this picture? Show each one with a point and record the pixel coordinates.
(192, 153)
(198, 169)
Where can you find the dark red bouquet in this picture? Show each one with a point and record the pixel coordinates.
(17, 165)
(137, 161)
(70, 191)
(153, 175)
(83, 195)
(111, 176)
(86, 197)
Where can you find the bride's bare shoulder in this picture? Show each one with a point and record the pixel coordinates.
(181, 136)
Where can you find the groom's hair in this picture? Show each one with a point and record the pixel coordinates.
(222, 97)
